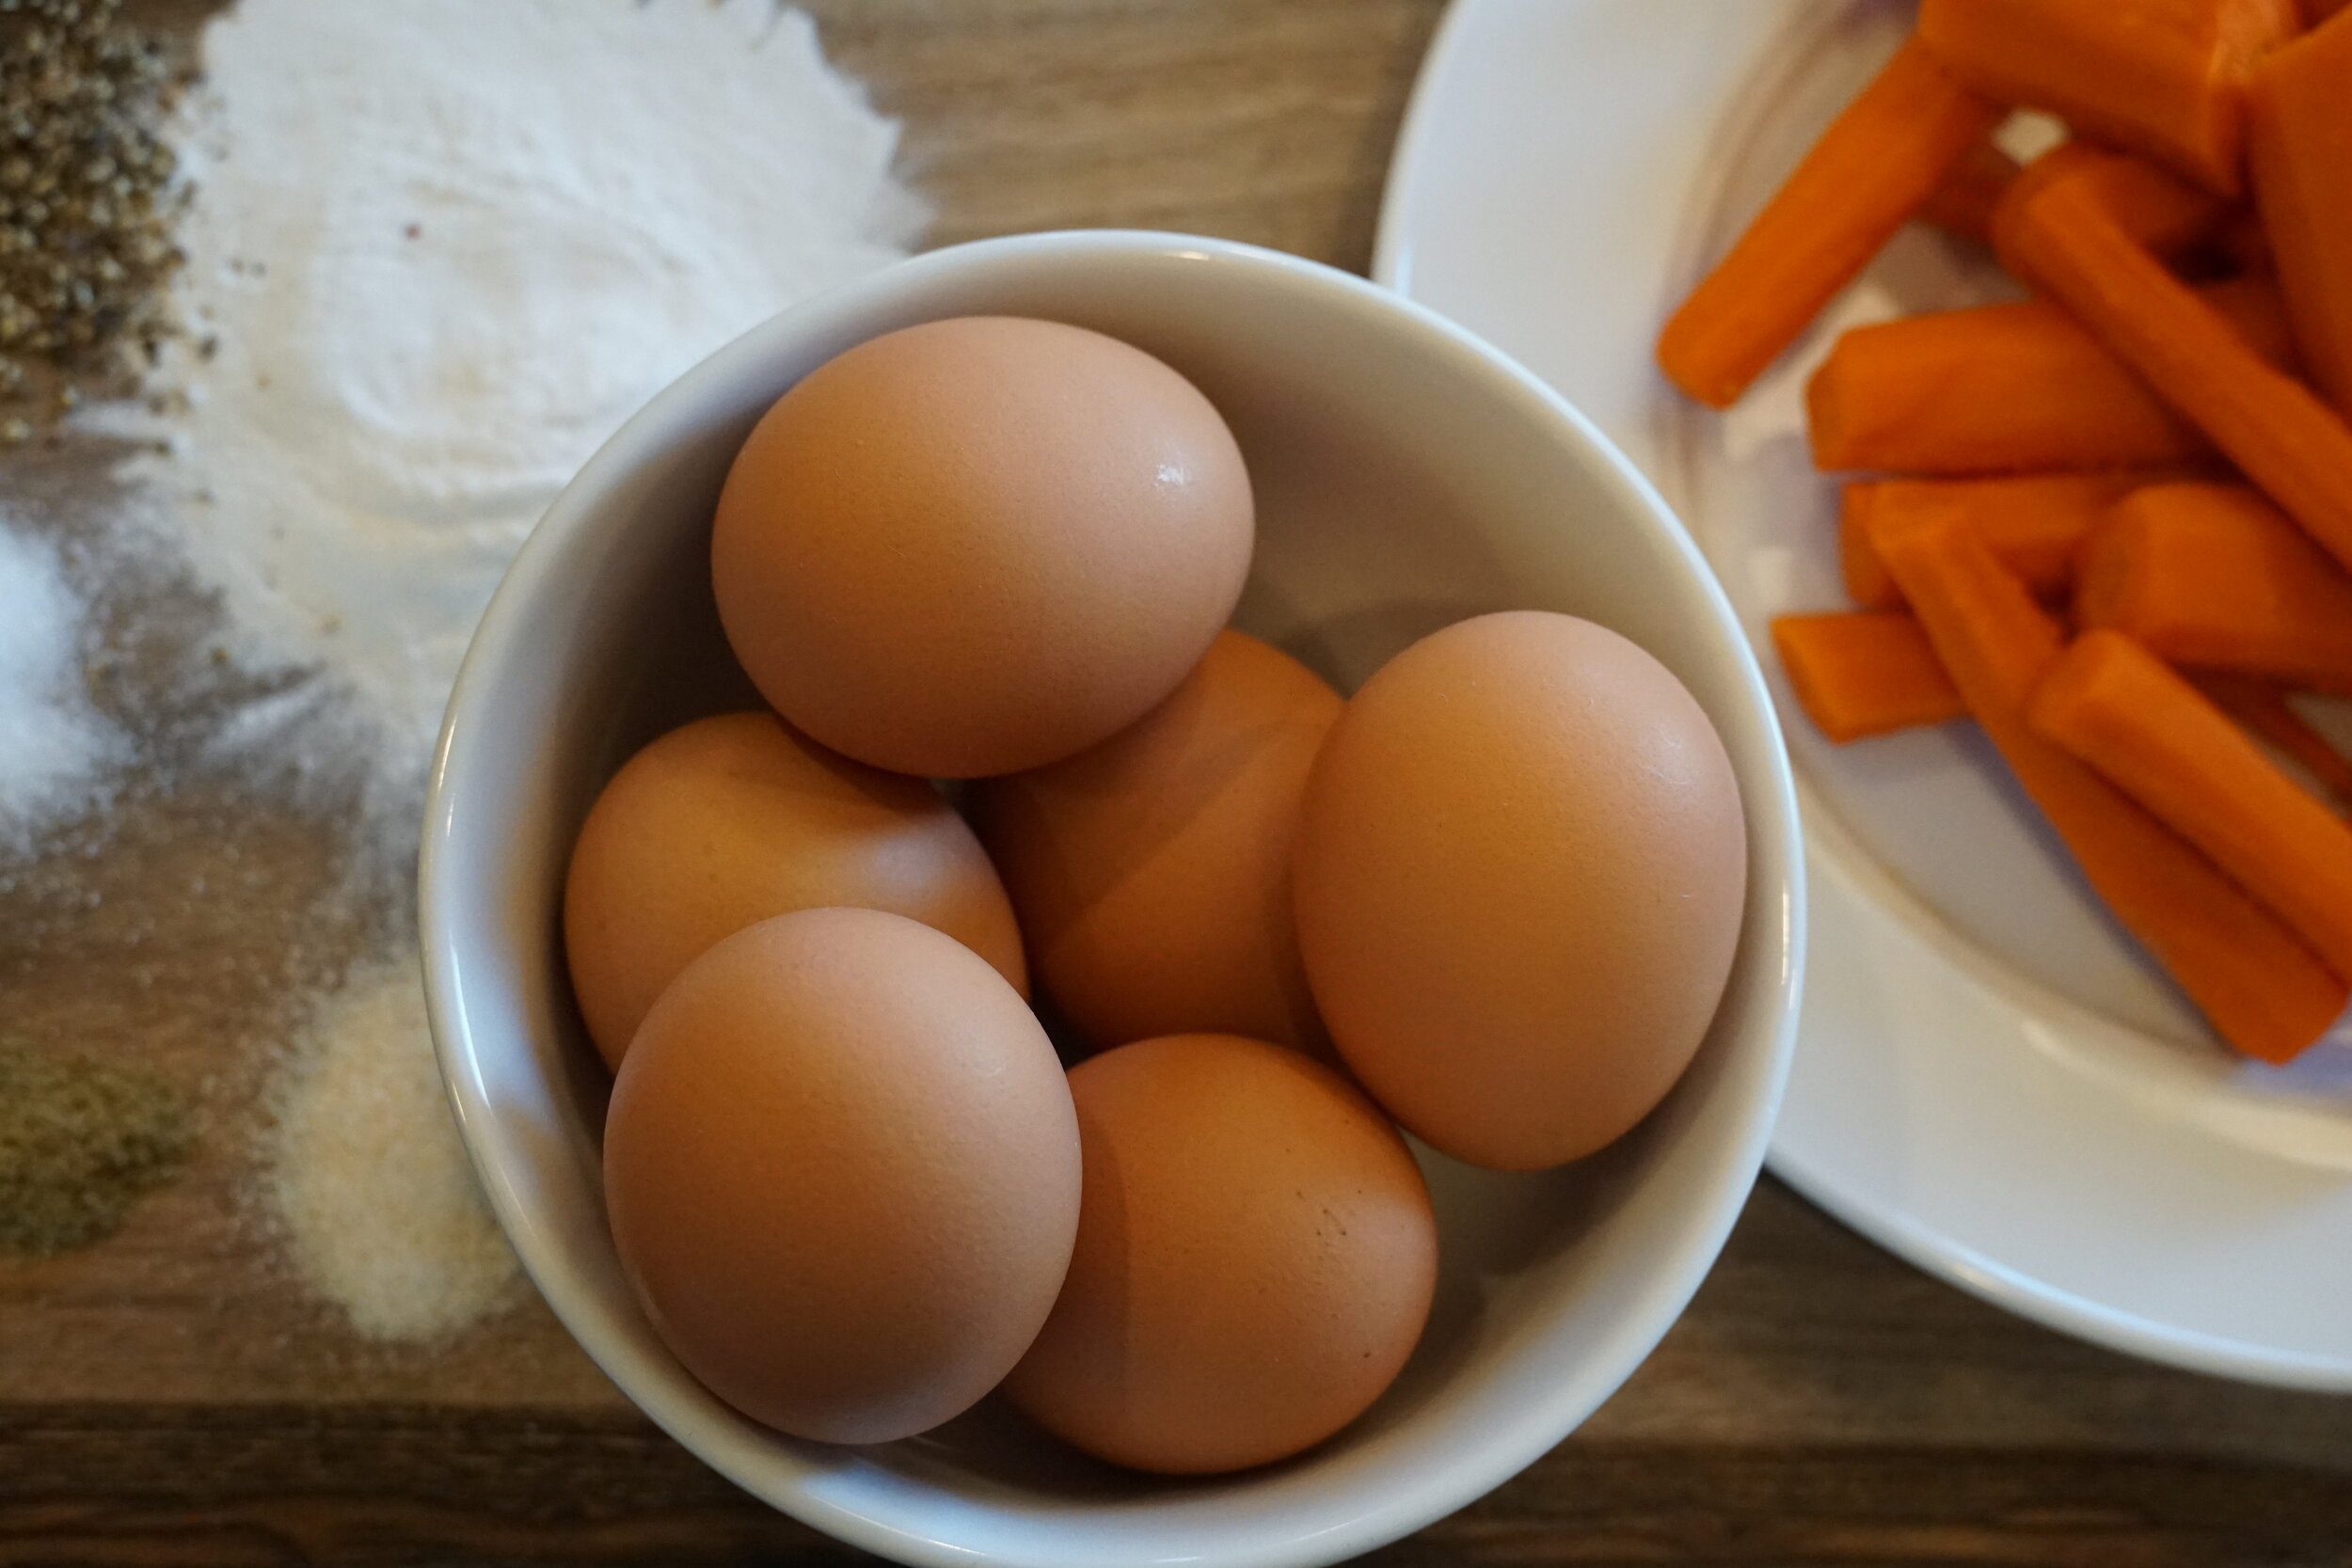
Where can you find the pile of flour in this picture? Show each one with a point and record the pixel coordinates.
(437, 252)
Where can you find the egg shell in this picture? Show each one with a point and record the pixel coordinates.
(1520, 876)
(733, 819)
(842, 1167)
(1256, 1258)
(1152, 873)
(979, 544)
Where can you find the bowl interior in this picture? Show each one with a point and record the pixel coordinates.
(1406, 477)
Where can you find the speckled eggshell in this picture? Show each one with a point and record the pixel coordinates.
(731, 819)
(842, 1167)
(1255, 1257)
(1518, 878)
(1152, 873)
(979, 544)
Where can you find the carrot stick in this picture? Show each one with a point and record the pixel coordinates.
(1873, 168)
(2259, 985)
(2214, 577)
(2166, 77)
(2152, 206)
(1864, 673)
(2008, 389)
(2299, 132)
(2114, 705)
(2281, 435)
(1866, 580)
(1962, 204)
(2263, 708)
(2035, 523)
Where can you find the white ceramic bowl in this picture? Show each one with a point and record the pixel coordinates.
(1407, 476)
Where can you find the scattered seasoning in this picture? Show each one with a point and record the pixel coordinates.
(80, 1142)
(370, 1179)
(86, 198)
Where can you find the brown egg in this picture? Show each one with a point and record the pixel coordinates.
(729, 820)
(1255, 1257)
(1520, 876)
(1152, 871)
(979, 544)
(842, 1169)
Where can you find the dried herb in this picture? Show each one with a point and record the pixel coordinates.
(80, 1141)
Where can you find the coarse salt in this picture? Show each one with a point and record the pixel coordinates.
(57, 754)
(369, 1178)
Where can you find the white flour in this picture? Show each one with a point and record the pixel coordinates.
(55, 749)
(439, 249)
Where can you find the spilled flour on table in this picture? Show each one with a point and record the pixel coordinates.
(437, 252)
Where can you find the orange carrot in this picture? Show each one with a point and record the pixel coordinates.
(2262, 707)
(1858, 563)
(2299, 132)
(2034, 522)
(1972, 187)
(1864, 673)
(2214, 577)
(1877, 162)
(2279, 435)
(2008, 389)
(2114, 705)
(2317, 11)
(2166, 77)
(2261, 986)
(2152, 206)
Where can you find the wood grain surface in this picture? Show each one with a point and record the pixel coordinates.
(168, 1398)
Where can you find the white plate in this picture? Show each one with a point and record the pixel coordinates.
(1990, 1079)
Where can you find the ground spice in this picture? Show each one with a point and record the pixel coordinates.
(80, 1141)
(87, 202)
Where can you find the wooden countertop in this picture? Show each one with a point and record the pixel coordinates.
(1819, 1403)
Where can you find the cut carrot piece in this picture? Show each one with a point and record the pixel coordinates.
(2035, 523)
(2150, 205)
(1866, 580)
(1863, 673)
(2214, 577)
(2263, 990)
(2300, 146)
(1877, 161)
(2113, 705)
(2263, 708)
(2166, 77)
(2008, 389)
(1972, 187)
(2272, 426)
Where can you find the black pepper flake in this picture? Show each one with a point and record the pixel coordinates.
(86, 199)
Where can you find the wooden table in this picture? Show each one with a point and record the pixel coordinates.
(161, 1402)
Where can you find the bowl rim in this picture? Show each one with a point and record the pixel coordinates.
(1454, 1480)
